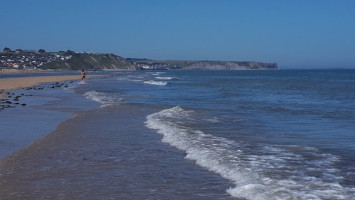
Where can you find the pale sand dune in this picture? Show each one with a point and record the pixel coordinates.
(23, 82)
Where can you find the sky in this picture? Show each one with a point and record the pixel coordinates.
(292, 33)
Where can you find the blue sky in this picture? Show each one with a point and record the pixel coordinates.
(293, 33)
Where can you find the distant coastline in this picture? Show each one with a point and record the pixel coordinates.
(146, 64)
(70, 60)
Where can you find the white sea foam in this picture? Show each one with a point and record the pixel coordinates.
(161, 83)
(259, 171)
(164, 78)
(103, 98)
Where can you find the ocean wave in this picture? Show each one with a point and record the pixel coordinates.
(161, 83)
(259, 171)
(103, 98)
(164, 78)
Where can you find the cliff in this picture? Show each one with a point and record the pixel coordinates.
(91, 61)
(216, 65)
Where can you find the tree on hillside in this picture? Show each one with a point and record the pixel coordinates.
(69, 52)
(6, 49)
(41, 51)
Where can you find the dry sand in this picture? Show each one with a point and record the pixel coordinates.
(23, 82)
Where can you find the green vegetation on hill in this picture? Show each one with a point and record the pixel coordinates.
(91, 61)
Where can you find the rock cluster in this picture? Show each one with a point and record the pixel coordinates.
(12, 100)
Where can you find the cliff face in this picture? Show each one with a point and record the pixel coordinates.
(201, 65)
(215, 65)
(91, 61)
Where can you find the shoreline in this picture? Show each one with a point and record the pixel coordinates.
(21, 100)
(8, 99)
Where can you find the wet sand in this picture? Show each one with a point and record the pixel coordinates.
(105, 154)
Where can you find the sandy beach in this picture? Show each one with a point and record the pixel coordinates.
(23, 82)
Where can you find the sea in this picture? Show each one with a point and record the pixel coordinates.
(244, 135)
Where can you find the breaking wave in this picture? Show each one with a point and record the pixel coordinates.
(161, 83)
(104, 99)
(259, 171)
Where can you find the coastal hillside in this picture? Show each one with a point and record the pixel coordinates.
(91, 62)
(70, 60)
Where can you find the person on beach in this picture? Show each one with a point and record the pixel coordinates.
(82, 76)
